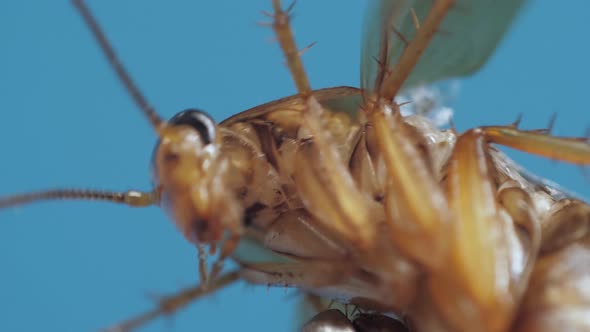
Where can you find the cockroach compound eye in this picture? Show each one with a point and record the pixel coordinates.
(199, 121)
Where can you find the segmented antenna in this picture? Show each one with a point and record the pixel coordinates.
(116, 64)
(130, 198)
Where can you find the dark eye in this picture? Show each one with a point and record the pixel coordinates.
(198, 120)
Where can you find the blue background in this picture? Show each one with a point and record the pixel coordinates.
(66, 121)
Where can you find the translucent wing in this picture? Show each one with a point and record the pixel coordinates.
(467, 37)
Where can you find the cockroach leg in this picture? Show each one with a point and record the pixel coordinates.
(295, 234)
(322, 179)
(575, 150)
(416, 208)
(312, 260)
(475, 258)
(168, 305)
(303, 274)
(203, 274)
(282, 29)
(490, 259)
(328, 191)
(227, 248)
(524, 232)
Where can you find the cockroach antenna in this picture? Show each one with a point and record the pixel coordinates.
(131, 198)
(117, 65)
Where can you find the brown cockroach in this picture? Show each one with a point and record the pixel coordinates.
(350, 200)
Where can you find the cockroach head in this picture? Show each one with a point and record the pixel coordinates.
(186, 168)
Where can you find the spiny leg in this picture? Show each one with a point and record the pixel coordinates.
(489, 265)
(285, 38)
(327, 277)
(168, 305)
(415, 204)
(575, 150)
(321, 176)
(305, 274)
(416, 208)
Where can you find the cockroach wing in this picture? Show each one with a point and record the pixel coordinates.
(465, 40)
